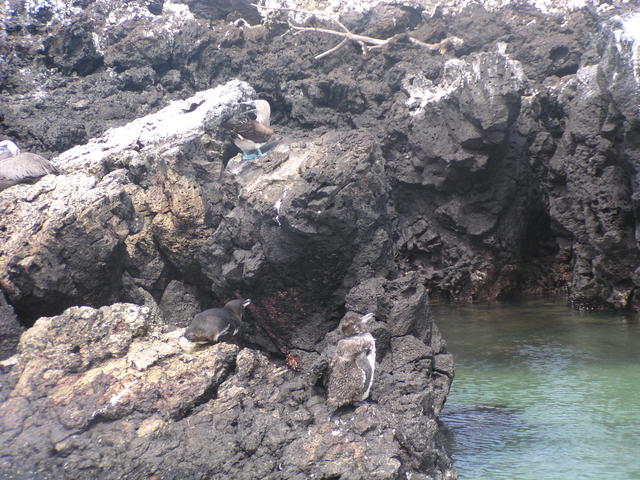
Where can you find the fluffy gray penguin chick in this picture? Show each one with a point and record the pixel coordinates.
(353, 363)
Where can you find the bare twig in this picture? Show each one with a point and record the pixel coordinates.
(331, 17)
(366, 43)
(439, 46)
(331, 50)
(430, 46)
(365, 47)
(349, 35)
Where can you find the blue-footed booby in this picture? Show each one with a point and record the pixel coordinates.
(251, 135)
(210, 325)
(17, 167)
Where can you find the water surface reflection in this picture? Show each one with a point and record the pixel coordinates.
(542, 392)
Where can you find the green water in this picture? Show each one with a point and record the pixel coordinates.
(542, 392)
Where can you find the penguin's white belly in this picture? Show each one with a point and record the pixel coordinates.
(371, 360)
(223, 331)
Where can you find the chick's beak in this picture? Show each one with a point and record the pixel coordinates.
(367, 317)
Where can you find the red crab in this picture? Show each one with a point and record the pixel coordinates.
(293, 361)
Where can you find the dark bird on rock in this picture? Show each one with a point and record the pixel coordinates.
(353, 363)
(250, 135)
(210, 325)
(17, 167)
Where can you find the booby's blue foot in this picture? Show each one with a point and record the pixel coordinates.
(260, 154)
(250, 156)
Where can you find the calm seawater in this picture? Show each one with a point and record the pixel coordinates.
(542, 392)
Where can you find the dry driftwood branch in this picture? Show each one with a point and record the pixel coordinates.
(441, 46)
(349, 35)
(322, 14)
(331, 50)
(367, 43)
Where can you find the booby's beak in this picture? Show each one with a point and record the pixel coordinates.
(246, 302)
(367, 317)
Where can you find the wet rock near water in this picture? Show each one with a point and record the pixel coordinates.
(93, 385)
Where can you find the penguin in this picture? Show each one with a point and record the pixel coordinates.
(353, 323)
(251, 135)
(352, 364)
(208, 326)
(17, 167)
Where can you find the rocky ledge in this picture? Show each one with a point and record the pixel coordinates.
(304, 232)
(105, 393)
(480, 151)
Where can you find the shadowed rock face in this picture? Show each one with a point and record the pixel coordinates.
(498, 153)
(10, 329)
(504, 165)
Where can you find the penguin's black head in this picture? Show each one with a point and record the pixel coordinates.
(237, 306)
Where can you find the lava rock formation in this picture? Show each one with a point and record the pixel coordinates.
(501, 165)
